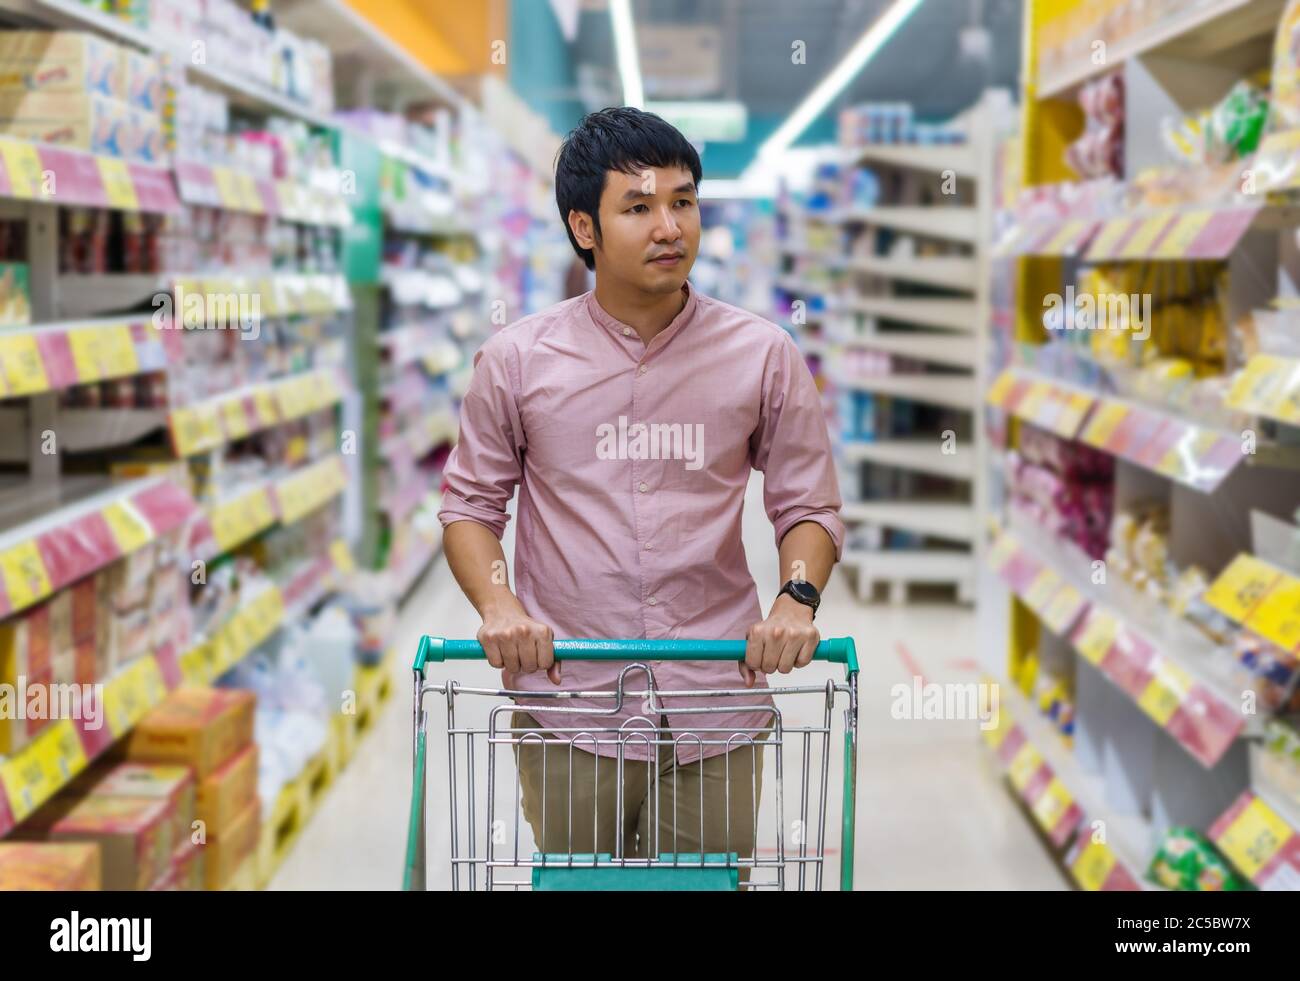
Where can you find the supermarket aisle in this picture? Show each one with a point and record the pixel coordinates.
(931, 813)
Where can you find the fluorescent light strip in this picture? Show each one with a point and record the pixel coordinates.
(629, 65)
(829, 87)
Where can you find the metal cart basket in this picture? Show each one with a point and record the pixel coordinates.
(486, 837)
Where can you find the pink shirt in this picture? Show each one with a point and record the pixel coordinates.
(626, 532)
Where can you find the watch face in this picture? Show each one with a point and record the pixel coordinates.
(805, 592)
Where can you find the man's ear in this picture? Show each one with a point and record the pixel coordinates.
(583, 228)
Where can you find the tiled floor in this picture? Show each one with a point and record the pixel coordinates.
(931, 813)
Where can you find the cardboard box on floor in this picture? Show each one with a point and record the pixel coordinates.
(28, 866)
(224, 795)
(226, 853)
(152, 781)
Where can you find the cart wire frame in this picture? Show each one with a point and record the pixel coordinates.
(434, 649)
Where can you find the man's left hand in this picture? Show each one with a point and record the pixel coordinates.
(786, 640)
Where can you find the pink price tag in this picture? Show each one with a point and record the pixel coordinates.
(75, 177)
(1037, 784)
(56, 355)
(1011, 745)
(1204, 725)
(1128, 664)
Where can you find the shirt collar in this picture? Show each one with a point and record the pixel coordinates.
(616, 326)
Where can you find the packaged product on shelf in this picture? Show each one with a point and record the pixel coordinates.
(1275, 763)
(1266, 669)
(142, 80)
(226, 793)
(78, 120)
(30, 866)
(26, 659)
(15, 295)
(134, 835)
(1187, 861)
(1285, 96)
(199, 727)
(161, 782)
(60, 61)
(225, 853)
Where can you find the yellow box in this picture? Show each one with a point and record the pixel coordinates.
(60, 61)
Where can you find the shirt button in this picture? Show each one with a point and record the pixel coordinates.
(643, 487)
(642, 370)
(652, 601)
(627, 331)
(648, 546)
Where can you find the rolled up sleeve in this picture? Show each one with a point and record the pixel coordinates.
(792, 447)
(486, 463)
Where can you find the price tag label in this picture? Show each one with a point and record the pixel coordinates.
(1260, 384)
(25, 576)
(229, 190)
(1024, 765)
(1277, 617)
(228, 526)
(1110, 235)
(1165, 692)
(341, 556)
(234, 419)
(128, 526)
(1105, 420)
(1092, 866)
(1063, 609)
(1052, 806)
(1252, 840)
(1186, 229)
(21, 365)
(249, 194)
(124, 703)
(1042, 589)
(119, 188)
(38, 771)
(1241, 586)
(268, 413)
(103, 352)
(1097, 636)
(26, 173)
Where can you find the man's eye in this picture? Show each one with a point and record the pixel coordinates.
(637, 209)
(686, 201)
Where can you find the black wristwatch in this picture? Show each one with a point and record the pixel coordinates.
(803, 592)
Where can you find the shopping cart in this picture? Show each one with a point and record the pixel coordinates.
(485, 853)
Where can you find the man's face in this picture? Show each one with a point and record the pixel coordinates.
(650, 228)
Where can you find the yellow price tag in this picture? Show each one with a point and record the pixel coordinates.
(128, 526)
(195, 664)
(1062, 608)
(26, 173)
(103, 352)
(1241, 586)
(341, 556)
(127, 697)
(1031, 404)
(1261, 384)
(234, 419)
(249, 193)
(1166, 690)
(1093, 866)
(228, 527)
(25, 577)
(1103, 245)
(1003, 549)
(38, 771)
(119, 188)
(1098, 635)
(1052, 805)
(1178, 242)
(1068, 421)
(21, 365)
(1065, 236)
(1041, 589)
(1024, 765)
(1139, 244)
(1103, 424)
(228, 188)
(1277, 617)
(1252, 840)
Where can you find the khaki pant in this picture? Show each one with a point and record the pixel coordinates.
(595, 824)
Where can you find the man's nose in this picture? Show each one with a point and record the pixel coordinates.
(666, 228)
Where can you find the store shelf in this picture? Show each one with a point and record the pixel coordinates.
(54, 537)
(46, 357)
(216, 186)
(47, 174)
(956, 223)
(899, 567)
(960, 158)
(921, 455)
(1260, 837)
(957, 352)
(1198, 456)
(420, 437)
(1064, 800)
(1198, 31)
(207, 425)
(957, 315)
(957, 391)
(1162, 665)
(277, 294)
(954, 522)
(424, 551)
(1268, 386)
(805, 287)
(957, 272)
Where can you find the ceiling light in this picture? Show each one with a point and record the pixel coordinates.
(629, 64)
(872, 40)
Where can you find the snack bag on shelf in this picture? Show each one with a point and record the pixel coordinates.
(1286, 70)
(1187, 861)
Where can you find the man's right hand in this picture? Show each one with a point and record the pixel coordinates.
(514, 641)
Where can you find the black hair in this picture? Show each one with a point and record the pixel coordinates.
(622, 139)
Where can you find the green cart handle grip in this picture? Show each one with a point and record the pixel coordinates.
(838, 650)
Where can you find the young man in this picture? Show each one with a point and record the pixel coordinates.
(630, 418)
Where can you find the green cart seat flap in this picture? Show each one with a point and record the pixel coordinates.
(688, 876)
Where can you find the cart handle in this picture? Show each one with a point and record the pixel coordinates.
(838, 650)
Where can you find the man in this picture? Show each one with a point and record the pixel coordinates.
(630, 418)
